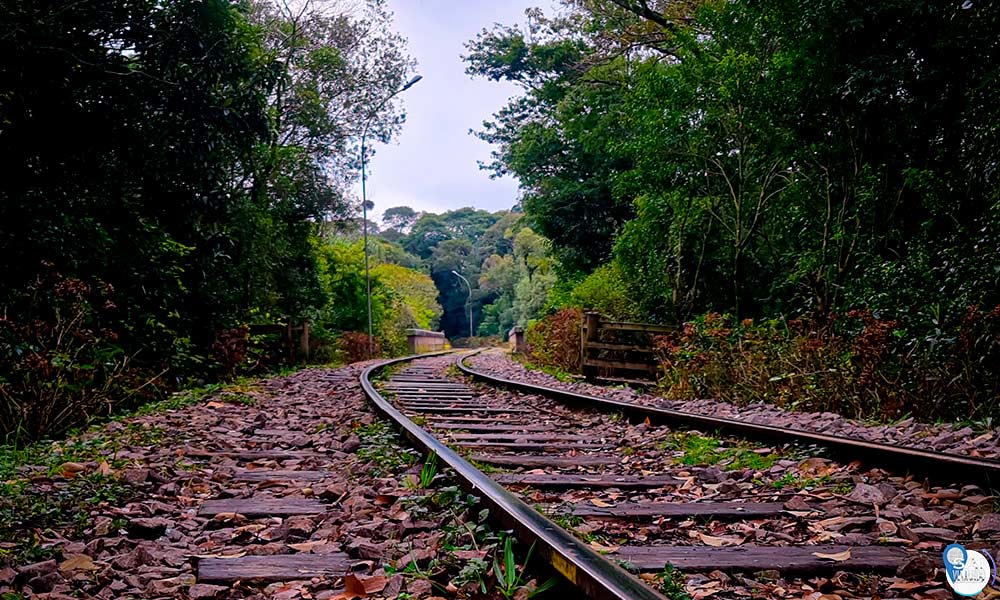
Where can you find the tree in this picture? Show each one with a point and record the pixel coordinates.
(554, 138)
(400, 218)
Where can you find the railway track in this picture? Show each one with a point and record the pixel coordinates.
(612, 493)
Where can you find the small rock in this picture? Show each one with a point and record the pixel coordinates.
(45, 583)
(920, 567)
(204, 590)
(38, 569)
(351, 444)
(867, 494)
(797, 504)
(713, 475)
(989, 523)
(147, 528)
(419, 588)
(300, 527)
(136, 476)
(936, 533)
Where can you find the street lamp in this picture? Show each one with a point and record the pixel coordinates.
(364, 205)
(470, 299)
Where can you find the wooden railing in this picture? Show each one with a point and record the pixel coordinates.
(286, 337)
(618, 349)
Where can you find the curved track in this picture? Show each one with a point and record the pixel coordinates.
(617, 483)
(577, 562)
(922, 464)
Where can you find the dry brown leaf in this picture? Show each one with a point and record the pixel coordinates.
(104, 468)
(72, 469)
(711, 540)
(599, 503)
(905, 585)
(78, 562)
(360, 587)
(837, 556)
(306, 546)
(604, 549)
(237, 555)
(214, 404)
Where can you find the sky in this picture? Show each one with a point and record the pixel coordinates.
(432, 166)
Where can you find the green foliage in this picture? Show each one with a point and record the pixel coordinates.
(200, 142)
(771, 160)
(523, 280)
(856, 365)
(428, 471)
(510, 576)
(703, 450)
(671, 583)
(607, 292)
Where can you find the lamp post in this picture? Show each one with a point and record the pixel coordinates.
(364, 205)
(470, 299)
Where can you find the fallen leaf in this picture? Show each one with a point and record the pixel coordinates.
(237, 555)
(72, 469)
(214, 404)
(78, 562)
(837, 556)
(599, 503)
(711, 540)
(905, 586)
(104, 468)
(306, 546)
(361, 587)
(604, 549)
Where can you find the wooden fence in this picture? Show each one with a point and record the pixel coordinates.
(618, 349)
(286, 337)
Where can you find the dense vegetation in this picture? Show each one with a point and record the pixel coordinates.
(508, 266)
(811, 187)
(171, 171)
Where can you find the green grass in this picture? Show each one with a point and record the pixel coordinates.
(381, 445)
(703, 450)
(670, 582)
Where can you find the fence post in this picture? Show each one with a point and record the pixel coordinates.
(588, 333)
(517, 345)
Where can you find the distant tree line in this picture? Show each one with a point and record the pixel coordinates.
(509, 267)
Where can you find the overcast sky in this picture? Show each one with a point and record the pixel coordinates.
(432, 166)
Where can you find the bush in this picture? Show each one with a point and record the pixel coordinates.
(63, 367)
(858, 365)
(352, 346)
(605, 291)
(554, 341)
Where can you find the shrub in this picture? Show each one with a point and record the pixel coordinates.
(554, 341)
(352, 346)
(859, 365)
(62, 366)
(606, 292)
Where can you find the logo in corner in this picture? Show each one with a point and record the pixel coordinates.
(967, 571)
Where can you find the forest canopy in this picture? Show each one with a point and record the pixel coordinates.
(770, 160)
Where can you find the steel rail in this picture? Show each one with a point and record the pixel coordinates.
(590, 572)
(923, 464)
